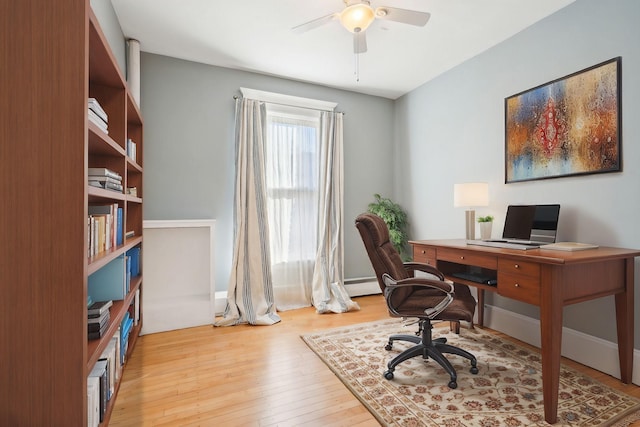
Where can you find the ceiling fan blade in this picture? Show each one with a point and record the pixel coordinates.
(303, 28)
(411, 17)
(359, 42)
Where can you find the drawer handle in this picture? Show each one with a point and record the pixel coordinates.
(461, 257)
(424, 252)
(517, 285)
(517, 266)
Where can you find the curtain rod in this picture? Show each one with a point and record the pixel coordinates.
(236, 97)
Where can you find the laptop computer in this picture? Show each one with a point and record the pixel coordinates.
(526, 227)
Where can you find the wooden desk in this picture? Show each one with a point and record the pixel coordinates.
(550, 280)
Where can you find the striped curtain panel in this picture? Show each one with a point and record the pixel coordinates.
(328, 292)
(250, 292)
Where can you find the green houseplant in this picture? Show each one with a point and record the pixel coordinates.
(487, 218)
(396, 219)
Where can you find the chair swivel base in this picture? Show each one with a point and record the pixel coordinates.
(428, 348)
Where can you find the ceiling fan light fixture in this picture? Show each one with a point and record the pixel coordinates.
(357, 17)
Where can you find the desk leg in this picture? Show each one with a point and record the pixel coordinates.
(624, 322)
(551, 340)
(480, 307)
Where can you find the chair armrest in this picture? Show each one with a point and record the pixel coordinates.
(444, 286)
(412, 267)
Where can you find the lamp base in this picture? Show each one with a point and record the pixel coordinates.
(470, 219)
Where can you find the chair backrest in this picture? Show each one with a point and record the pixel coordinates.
(383, 255)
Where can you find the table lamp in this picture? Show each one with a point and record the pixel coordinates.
(469, 195)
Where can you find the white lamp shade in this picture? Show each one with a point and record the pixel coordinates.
(471, 194)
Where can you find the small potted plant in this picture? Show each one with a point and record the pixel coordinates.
(485, 226)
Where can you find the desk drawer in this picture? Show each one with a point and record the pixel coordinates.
(530, 269)
(425, 255)
(519, 287)
(468, 258)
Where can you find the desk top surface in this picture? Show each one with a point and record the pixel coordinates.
(539, 255)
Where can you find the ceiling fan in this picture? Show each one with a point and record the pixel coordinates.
(358, 15)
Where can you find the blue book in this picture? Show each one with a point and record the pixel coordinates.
(108, 283)
(128, 279)
(134, 253)
(119, 228)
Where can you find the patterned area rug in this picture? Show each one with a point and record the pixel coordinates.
(506, 392)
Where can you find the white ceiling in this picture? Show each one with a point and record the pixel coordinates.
(255, 35)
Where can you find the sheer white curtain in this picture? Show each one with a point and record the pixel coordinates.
(291, 168)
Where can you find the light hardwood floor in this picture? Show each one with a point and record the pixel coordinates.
(250, 376)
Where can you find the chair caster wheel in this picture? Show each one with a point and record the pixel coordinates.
(388, 346)
(388, 375)
(474, 370)
(453, 384)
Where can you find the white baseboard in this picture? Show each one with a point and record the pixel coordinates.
(590, 351)
(354, 287)
(362, 286)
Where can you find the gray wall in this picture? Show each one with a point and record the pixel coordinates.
(188, 111)
(451, 130)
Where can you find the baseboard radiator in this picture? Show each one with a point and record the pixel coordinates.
(362, 286)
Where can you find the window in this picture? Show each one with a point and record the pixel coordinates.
(291, 169)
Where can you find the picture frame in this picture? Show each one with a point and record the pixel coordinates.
(566, 127)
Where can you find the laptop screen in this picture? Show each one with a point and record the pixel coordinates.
(537, 223)
(518, 222)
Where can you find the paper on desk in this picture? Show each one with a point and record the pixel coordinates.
(569, 246)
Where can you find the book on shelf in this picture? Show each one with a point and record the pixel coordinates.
(95, 106)
(111, 215)
(129, 234)
(98, 120)
(132, 191)
(94, 335)
(115, 341)
(136, 308)
(104, 172)
(119, 226)
(108, 283)
(125, 329)
(95, 321)
(106, 185)
(100, 371)
(93, 401)
(134, 254)
(98, 324)
(131, 149)
(99, 307)
(109, 354)
(102, 178)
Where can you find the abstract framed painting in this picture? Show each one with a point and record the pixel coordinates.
(569, 126)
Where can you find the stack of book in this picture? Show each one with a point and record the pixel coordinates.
(97, 115)
(98, 315)
(105, 223)
(105, 178)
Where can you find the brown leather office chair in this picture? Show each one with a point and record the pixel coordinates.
(425, 298)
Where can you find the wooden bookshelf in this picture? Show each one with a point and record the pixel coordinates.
(58, 57)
